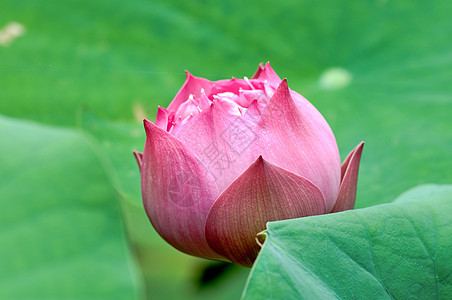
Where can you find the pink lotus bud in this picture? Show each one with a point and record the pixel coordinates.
(228, 156)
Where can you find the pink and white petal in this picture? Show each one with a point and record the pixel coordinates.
(208, 135)
(192, 86)
(299, 141)
(204, 101)
(161, 120)
(233, 85)
(263, 193)
(270, 75)
(139, 158)
(247, 97)
(259, 70)
(229, 106)
(349, 180)
(178, 192)
(189, 107)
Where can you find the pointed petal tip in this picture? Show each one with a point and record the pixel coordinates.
(359, 149)
(258, 72)
(269, 67)
(282, 90)
(188, 77)
(270, 75)
(284, 83)
(150, 127)
(161, 120)
(147, 124)
(138, 157)
(349, 180)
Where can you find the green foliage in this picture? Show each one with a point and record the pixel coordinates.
(391, 251)
(61, 234)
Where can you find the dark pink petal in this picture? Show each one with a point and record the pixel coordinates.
(192, 85)
(161, 120)
(178, 192)
(263, 193)
(139, 158)
(259, 70)
(349, 180)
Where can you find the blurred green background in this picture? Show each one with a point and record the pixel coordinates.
(76, 83)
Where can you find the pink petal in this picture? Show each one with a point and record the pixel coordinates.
(259, 70)
(192, 85)
(178, 192)
(349, 180)
(139, 158)
(270, 75)
(229, 104)
(298, 140)
(233, 85)
(247, 97)
(161, 120)
(186, 109)
(204, 101)
(207, 136)
(263, 193)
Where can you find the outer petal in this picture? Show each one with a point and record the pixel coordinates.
(263, 193)
(139, 158)
(192, 85)
(178, 192)
(208, 136)
(349, 180)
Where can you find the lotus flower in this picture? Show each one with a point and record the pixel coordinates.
(228, 156)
